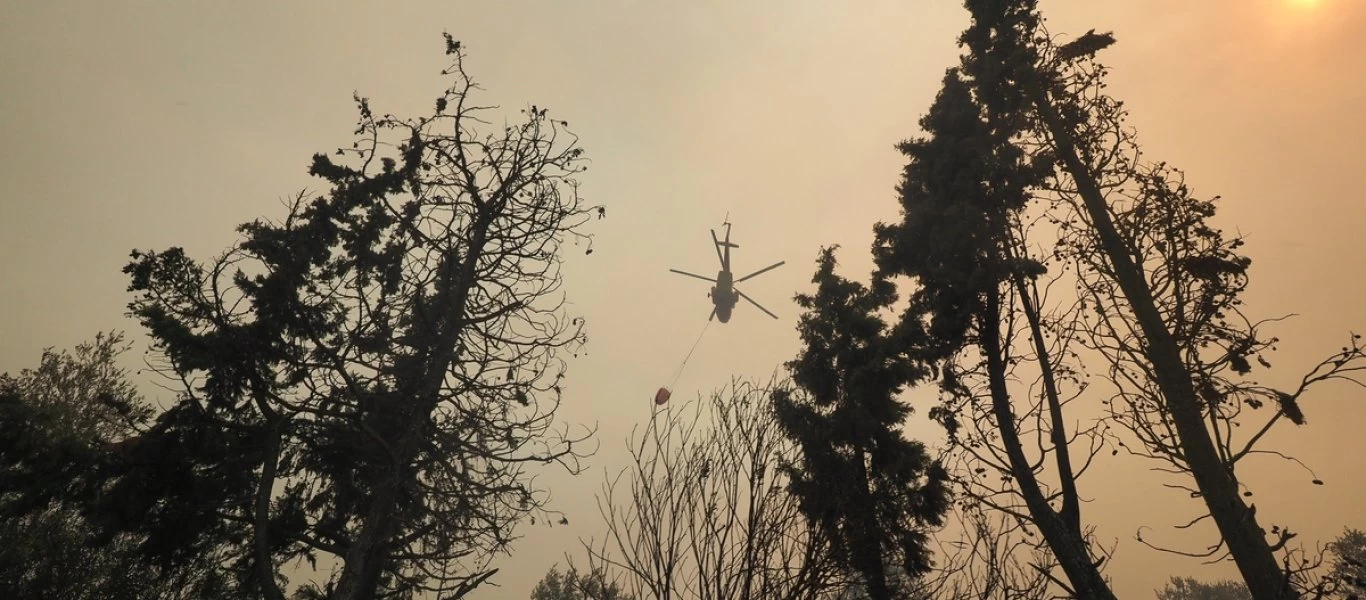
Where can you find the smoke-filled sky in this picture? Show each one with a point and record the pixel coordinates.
(146, 124)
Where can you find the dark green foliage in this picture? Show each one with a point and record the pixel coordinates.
(873, 491)
(994, 59)
(1085, 46)
(168, 484)
(57, 554)
(60, 421)
(40, 461)
(73, 467)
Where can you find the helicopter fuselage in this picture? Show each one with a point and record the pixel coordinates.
(723, 295)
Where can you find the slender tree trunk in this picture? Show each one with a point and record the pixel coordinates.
(1238, 525)
(1067, 544)
(751, 520)
(1071, 504)
(265, 568)
(869, 557)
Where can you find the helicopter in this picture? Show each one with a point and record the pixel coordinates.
(724, 295)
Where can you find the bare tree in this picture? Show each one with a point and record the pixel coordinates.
(1194, 276)
(389, 355)
(1015, 457)
(1077, 125)
(703, 511)
(989, 554)
(1198, 276)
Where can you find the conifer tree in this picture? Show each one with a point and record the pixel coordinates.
(872, 490)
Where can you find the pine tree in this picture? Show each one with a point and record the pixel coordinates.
(872, 490)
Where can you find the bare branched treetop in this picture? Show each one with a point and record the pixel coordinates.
(703, 510)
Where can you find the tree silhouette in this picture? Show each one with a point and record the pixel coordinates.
(1013, 59)
(380, 366)
(872, 491)
(963, 240)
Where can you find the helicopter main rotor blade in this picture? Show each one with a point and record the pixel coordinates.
(763, 270)
(692, 275)
(713, 315)
(756, 304)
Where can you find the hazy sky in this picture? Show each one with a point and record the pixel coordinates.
(146, 124)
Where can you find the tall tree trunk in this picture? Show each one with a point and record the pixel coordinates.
(1218, 486)
(1067, 544)
(365, 558)
(265, 568)
(368, 554)
(869, 556)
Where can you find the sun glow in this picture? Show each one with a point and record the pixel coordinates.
(1300, 18)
